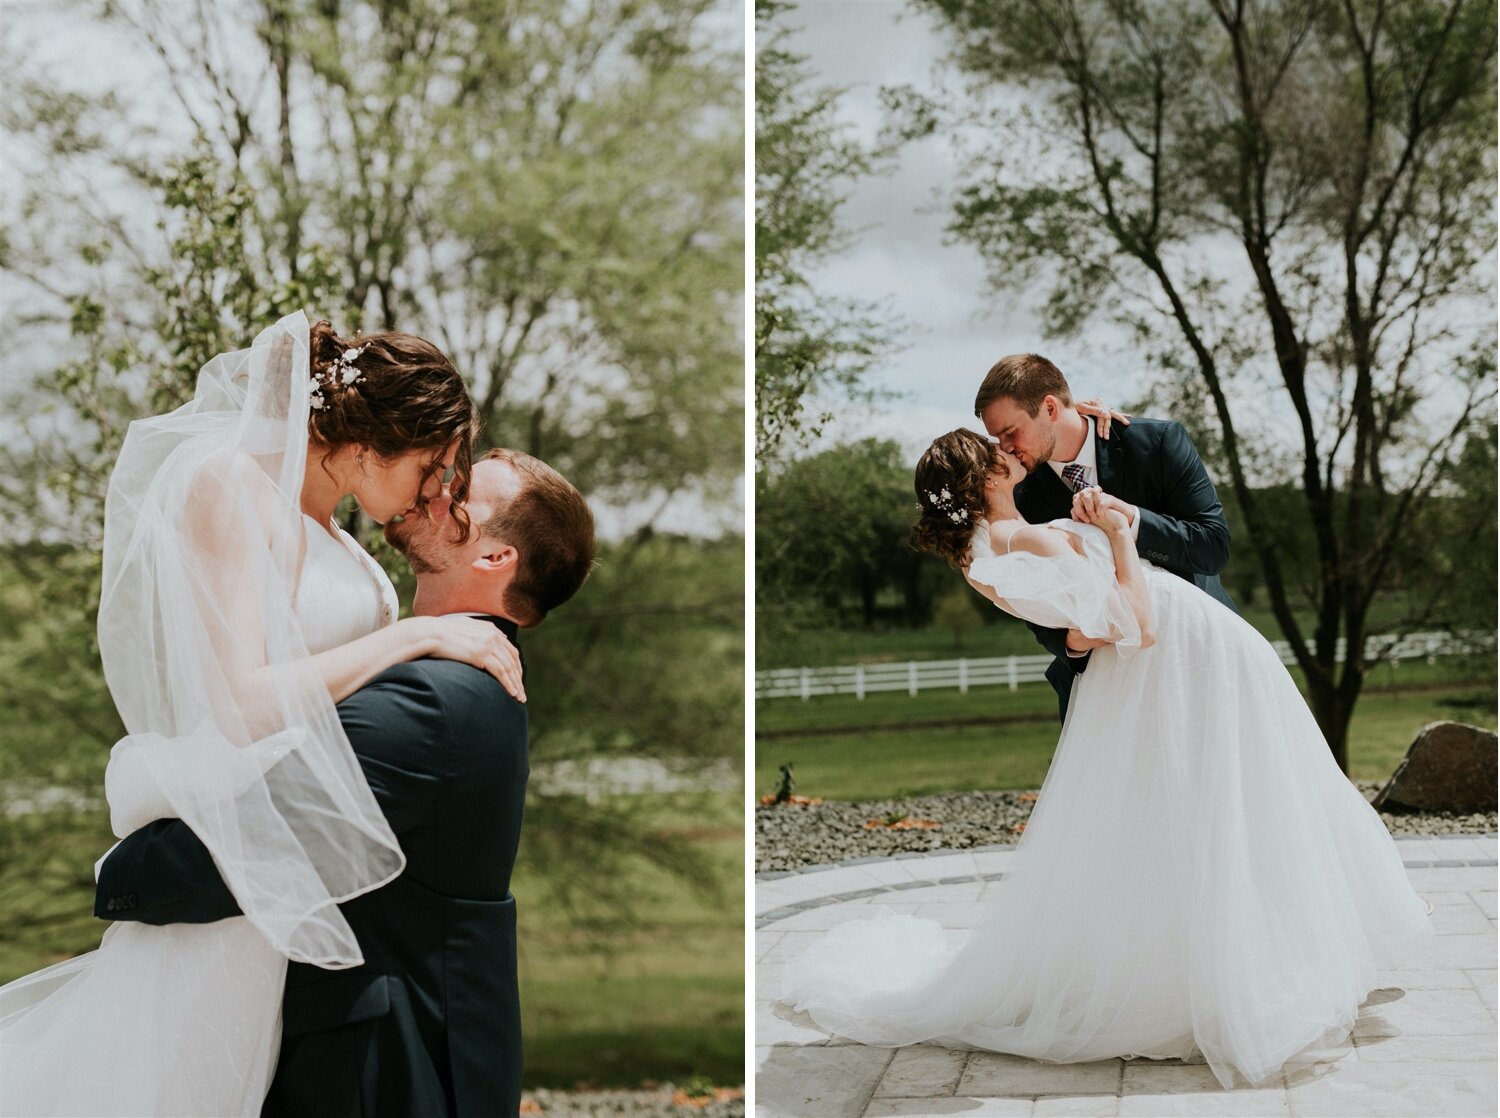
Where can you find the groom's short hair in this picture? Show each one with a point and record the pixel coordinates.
(1026, 378)
(549, 523)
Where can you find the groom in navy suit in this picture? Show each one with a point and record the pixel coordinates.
(430, 1024)
(1149, 470)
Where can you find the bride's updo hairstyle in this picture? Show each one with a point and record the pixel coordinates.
(950, 490)
(397, 394)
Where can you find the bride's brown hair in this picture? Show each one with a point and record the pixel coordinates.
(407, 397)
(950, 490)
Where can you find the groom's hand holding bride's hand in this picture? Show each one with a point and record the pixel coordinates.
(1094, 506)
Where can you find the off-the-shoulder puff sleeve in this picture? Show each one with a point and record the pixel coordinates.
(1066, 591)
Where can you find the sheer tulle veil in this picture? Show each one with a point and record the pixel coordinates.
(228, 730)
(203, 542)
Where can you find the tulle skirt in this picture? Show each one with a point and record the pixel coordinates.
(176, 1020)
(1197, 876)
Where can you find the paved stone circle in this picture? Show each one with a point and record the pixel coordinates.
(1424, 1044)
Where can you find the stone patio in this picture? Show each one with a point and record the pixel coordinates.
(1425, 1042)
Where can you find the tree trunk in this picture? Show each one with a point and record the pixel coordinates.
(1332, 711)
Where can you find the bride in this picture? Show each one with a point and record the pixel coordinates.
(1197, 874)
(234, 613)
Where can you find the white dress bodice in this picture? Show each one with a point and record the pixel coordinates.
(342, 593)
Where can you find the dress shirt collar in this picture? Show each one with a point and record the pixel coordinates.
(1087, 456)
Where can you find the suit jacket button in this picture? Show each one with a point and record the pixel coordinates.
(133, 902)
(110, 905)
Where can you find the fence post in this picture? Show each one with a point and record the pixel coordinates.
(806, 684)
(1012, 673)
(911, 678)
(859, 681)
(963, 676)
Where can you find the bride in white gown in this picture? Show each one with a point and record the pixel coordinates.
(234, 614)
(1197, 873)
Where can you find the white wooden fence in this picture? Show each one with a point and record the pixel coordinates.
(912, 676)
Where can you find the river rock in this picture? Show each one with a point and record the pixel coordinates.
(1450, 767)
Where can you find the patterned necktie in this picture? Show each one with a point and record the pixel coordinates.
(1073, 474)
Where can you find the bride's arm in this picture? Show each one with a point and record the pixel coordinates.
(230, 536)
(1129, 573)
(347, 668)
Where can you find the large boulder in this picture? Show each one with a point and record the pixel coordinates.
(1450, 767)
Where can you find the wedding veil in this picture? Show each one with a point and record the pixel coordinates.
(228, 729)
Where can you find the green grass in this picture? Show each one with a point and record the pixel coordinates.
(876, 757)
(661, 998)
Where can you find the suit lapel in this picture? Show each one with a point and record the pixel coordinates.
(1108, 460)
(1043, 496)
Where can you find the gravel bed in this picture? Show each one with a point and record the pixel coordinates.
(652, 1103)
(795, 835)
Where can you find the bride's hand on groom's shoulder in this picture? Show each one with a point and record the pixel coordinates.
(1102, 414)
(470, 641)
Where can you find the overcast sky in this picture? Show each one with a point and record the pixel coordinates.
(957, 328)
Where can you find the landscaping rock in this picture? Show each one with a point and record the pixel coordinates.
(1449, 767)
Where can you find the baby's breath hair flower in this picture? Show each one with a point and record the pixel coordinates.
(943, 501)
(340, 374)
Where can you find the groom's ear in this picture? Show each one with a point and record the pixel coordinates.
(1053, 406)
(495, 557)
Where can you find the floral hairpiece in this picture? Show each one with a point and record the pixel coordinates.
(943, 502)
(341, 373)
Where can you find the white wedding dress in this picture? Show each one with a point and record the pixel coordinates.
(1197, 873)
(216, 589)
(182, 1019)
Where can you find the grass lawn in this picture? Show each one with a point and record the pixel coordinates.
(878, 753)
(662, 999)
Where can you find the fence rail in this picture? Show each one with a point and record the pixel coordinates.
(912, 676)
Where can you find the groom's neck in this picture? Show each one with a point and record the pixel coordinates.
(1072, 431)
(433, 600)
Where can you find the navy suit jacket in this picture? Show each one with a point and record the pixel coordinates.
(430, 1024)
(1153, 465)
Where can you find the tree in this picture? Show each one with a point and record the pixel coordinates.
(956, 612)
(1292, 200)
(833, 530)
(553, 193)
(806, 341)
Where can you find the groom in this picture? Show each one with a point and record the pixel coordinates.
(1149, 471)
(430, 1023)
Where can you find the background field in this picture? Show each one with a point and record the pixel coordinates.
(893, 744)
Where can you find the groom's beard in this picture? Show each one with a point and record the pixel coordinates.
(412, 537)
(1044, 456)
